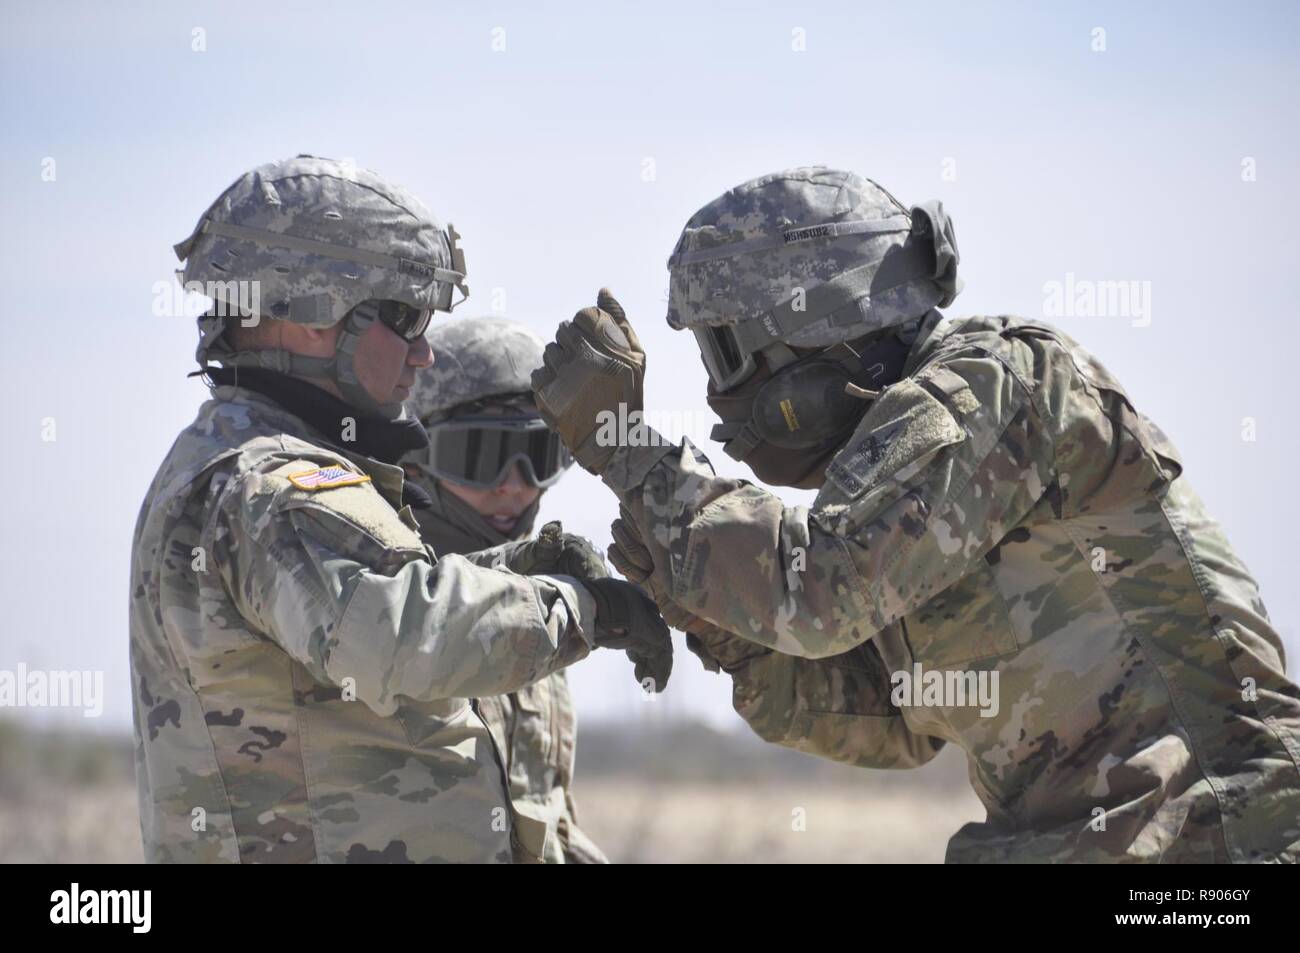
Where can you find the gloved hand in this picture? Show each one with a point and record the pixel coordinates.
(595, 364)
(628, 554)
(715, 647)
(627, 619)
(555, 552)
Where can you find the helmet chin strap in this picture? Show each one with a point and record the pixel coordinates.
(344, 372)
(340, 369)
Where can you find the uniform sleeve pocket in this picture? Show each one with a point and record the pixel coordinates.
(894, 444)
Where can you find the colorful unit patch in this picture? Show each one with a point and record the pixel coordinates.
(326, 478)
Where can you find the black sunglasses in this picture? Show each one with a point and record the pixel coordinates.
(404, 320)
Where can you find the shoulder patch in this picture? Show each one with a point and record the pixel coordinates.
(899, 433)
(327, 478)
(354, 508)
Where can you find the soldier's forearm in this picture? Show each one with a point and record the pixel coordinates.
(836, 708)
(733, 554)
(427, 632)
(502, 631)
(496, 557)
(630, 465)
(505, 556)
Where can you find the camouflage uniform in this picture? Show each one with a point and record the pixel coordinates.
(1005, 509)
(307, 684)
(536, 726)
(999, 508)
(302, 665)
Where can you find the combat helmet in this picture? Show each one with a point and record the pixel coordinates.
(808, 257)
(475, 360)
(321, 241)
(801, 271)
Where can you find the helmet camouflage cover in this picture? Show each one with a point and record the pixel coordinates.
(474, 360)
(809, 257)
(318, 237)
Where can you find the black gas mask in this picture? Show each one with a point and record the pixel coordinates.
(786, 422)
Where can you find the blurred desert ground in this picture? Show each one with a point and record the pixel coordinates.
(651, 792)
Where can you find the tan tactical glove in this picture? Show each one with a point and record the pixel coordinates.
(595, 365)
(715, 647)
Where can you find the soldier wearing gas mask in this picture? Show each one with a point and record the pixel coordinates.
(1003, 553)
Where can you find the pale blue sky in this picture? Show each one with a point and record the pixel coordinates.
(1115, 165)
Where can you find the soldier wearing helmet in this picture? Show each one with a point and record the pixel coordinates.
(1003, 553)
(302, 663)
(489, 460)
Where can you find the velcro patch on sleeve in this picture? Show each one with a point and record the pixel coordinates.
(904, 427)
(327, 478)
(352, 512)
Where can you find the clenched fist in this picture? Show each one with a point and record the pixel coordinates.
(594, 367)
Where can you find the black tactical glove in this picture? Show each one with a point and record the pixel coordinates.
(557, 553)
(626, 618)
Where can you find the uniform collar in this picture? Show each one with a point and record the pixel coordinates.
(389, 478)
(374, 437)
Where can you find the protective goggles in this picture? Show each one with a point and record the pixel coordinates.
(727, 363)
(404, 320)
(478, 451)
